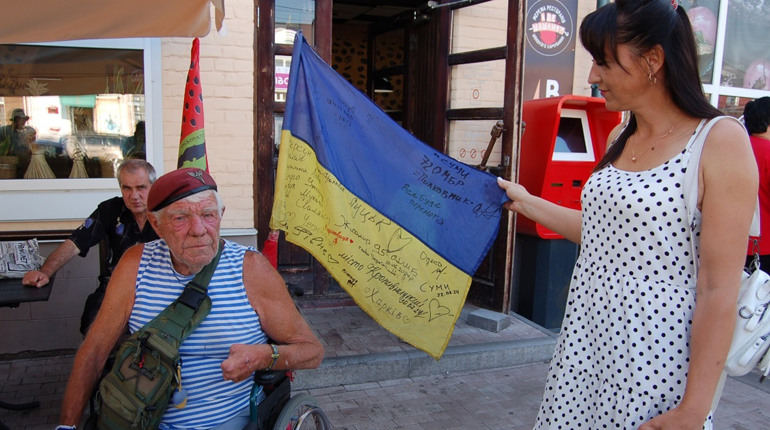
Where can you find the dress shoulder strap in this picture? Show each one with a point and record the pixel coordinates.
(698, 137)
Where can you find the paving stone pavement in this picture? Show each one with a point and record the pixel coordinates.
(505, 398)
(498, 398)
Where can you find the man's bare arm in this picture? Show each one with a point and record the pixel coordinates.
(105, 332)
(298, 347)
(58, 258)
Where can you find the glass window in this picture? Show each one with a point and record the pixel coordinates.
(747, 53)
(477, 85)
(734, 59)
(469, 141)
(479, 27)
(84, 100)
(733, 105)
(282, 69)
(71, 112)
(277, 128)
(292, 16)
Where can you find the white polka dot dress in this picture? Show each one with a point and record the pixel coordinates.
(623, 352)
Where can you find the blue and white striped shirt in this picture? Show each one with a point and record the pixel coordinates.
(211, 399)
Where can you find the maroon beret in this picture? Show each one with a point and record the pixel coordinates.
(178, 184)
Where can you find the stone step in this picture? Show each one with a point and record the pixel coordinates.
(364, 368)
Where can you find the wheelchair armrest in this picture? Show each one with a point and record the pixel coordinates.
(269, 377)
(277, 394)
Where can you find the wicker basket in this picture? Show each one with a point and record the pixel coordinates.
(8, 165)
(108, 168)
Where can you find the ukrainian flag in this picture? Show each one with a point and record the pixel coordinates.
(400, 226)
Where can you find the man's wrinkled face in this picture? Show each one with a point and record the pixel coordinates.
(135, 187)
(191, 230)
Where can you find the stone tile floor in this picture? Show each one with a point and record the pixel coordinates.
(504, 398)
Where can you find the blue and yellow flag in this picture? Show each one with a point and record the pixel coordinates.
(399, 225)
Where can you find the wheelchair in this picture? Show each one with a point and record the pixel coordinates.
(279, 410)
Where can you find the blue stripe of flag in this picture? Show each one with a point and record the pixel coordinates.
(450, 206)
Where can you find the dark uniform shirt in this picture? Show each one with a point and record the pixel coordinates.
(111, 220)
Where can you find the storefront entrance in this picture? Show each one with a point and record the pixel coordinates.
(402, 54)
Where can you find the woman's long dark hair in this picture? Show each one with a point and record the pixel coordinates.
(641, 25)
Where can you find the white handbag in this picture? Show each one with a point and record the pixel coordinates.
(751, 337)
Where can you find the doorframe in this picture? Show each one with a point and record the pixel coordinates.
(265, 108)
(265, 50)
(498, 265)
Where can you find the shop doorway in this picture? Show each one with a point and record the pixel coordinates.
(400, 53)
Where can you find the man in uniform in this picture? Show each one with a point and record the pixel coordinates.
(122, 221)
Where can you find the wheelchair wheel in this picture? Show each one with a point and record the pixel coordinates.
(302, 413)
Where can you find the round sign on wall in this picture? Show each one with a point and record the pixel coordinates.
(550, 27)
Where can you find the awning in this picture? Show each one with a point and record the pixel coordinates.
(54, 20)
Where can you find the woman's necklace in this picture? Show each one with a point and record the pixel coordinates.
(651, 148)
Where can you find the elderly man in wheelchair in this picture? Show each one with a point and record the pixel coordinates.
(252, 325)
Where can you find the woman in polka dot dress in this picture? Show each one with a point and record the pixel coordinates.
(635, 352)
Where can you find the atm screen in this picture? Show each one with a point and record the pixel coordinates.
(573, 139)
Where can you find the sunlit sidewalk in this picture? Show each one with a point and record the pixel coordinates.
(372, 380)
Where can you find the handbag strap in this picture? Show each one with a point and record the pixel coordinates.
(179, 319)
(690, 183)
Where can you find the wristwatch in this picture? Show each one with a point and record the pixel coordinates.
(274, 356)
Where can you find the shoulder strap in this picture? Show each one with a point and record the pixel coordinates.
(183, 315)
(195, 290)
(690, 182)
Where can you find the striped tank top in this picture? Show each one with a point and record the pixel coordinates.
(211, 399)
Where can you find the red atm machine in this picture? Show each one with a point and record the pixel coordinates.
(564, 138)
